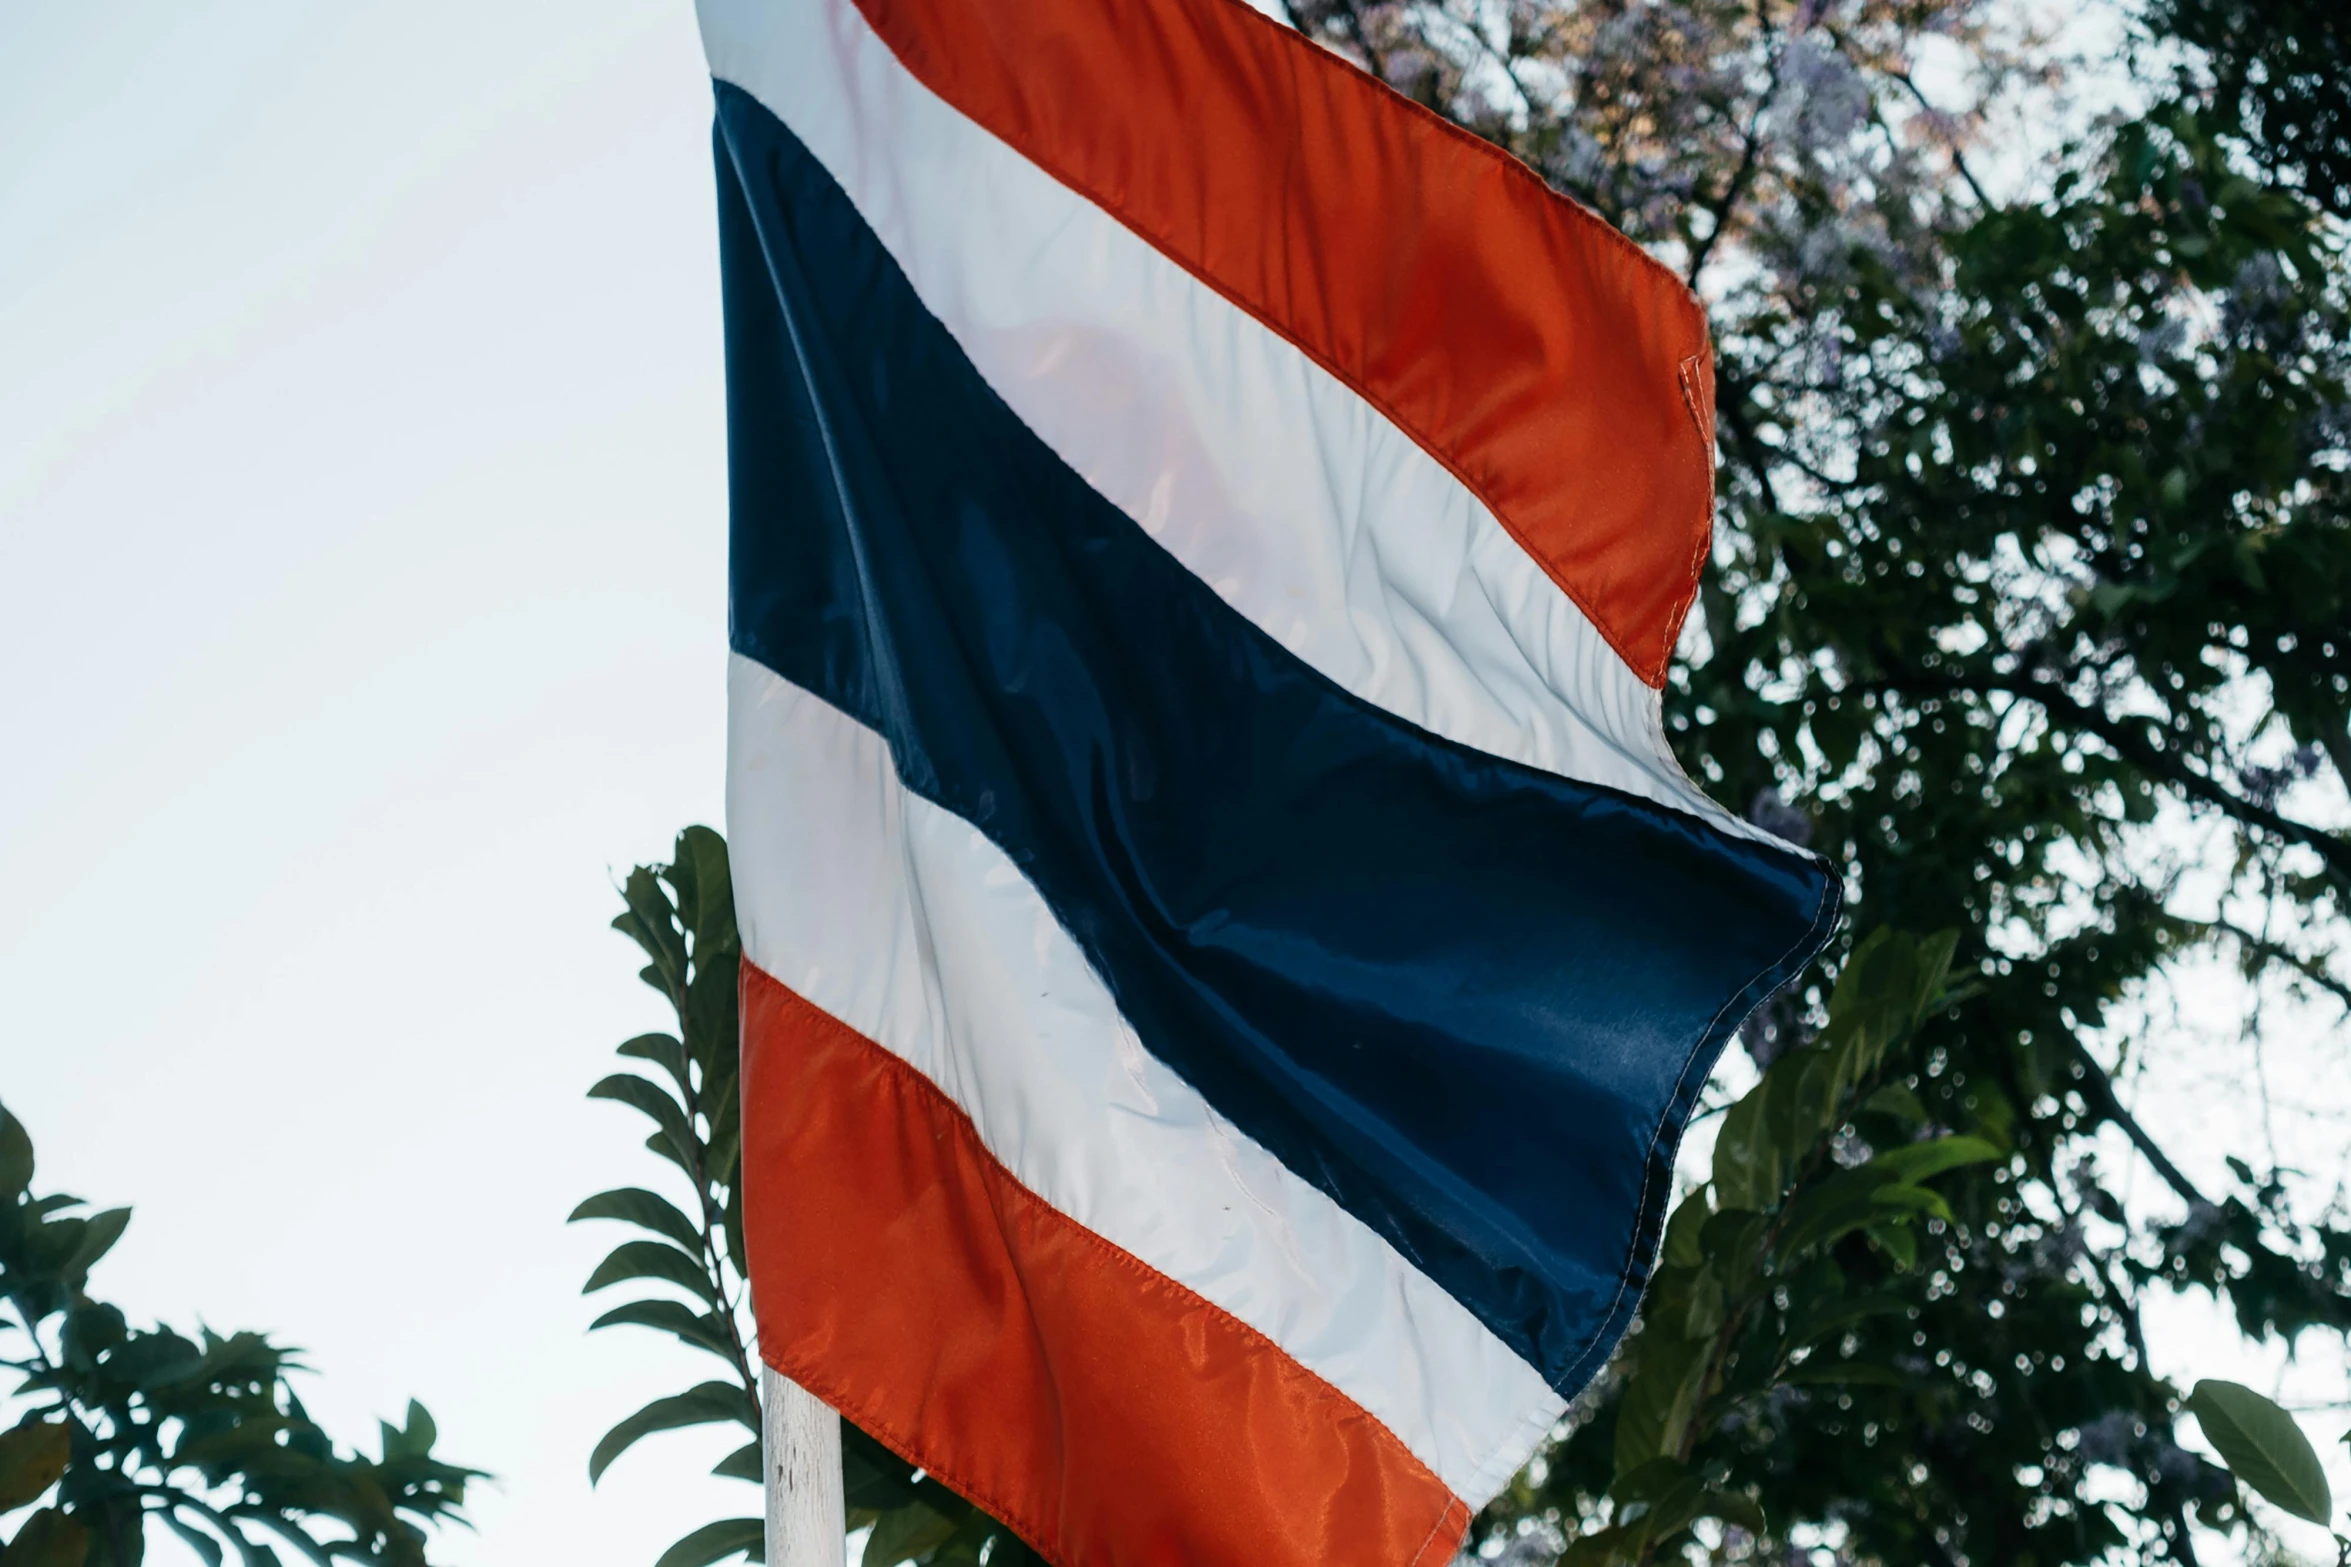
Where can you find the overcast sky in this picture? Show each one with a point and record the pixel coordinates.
(362, 615)
(361, 619)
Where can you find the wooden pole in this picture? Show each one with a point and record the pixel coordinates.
(802, 1438)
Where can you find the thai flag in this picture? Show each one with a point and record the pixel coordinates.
(1229, 953)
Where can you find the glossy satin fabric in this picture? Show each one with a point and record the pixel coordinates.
(1109, 1416)
(1268, 477)
(1469, 1000)
(1536, 352)
(927, 940)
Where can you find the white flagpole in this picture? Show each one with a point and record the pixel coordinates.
(802, 1438)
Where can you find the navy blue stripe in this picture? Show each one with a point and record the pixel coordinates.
(1469, 1000)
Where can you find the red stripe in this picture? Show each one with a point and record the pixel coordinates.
(1533, 350)
(1102, 1410)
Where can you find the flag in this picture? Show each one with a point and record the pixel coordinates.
(1228, 951)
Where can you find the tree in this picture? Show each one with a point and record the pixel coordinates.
(123, 1425)
(2032, 583)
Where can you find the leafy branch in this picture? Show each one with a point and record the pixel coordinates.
(682, 917)
(2135, 740)
(1747, 1297)
(204, 1435)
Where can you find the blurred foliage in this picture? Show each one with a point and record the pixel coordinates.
(1788, 1361)
(2276, 82)
(682, 916)
(122, 1426)
(2031, 609)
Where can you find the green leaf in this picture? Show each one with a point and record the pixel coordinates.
(962, 1548)
(652, 1260)
(641, 1094)
(1818, 1372)
(905, 1533)
(1682, 1248)
(32, 1457)
(16, 1158)
(1733, 1507)
(1897, 1101)
(647, 1211)
(703, 1330)
(414, 1440)
(711, 1403)
(1660, 1396)
(1833, 1208)
(1733, 1242)
(202, 1544)
(733, 1224)
(1898, 1242)
(285, 1529)
(651, 922)
(712, 916)
(49, 1539)
(1705, 1305)
(1915, 1199)
(1803, 1101)
(873, 1478)
(713, 1541)
(1010, 1550)
(741, 1464)
(1604, 1546)
(1746, 1166)
(661, 1146)
(663, 1050)
(726, 1133)
(2263, 1446)
(1870, 975)
(1880, 1189)
(1811, 1327)
(1924, 1161)
(1672, 1512)
(1650, 1481)
(1933, 973)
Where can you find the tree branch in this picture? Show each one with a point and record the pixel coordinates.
(1751, 143)
(1730, 407)
(2098, 1091)
(1501, 60)
(1352, 15)
(2127, 1308)
(2271, 952)
(2336, 743)
(1958, 158)
(2132, 746)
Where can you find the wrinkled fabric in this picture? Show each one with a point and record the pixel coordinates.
(914, 929)
(1469, 1000)
(1267, 476)
(1532, 349)
(1112, 1418)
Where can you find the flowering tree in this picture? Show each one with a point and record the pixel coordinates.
(2032, 609)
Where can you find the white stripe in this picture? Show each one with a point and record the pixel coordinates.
(903, 921)
(1276, 484)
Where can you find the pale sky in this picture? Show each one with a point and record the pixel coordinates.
(362, 617)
